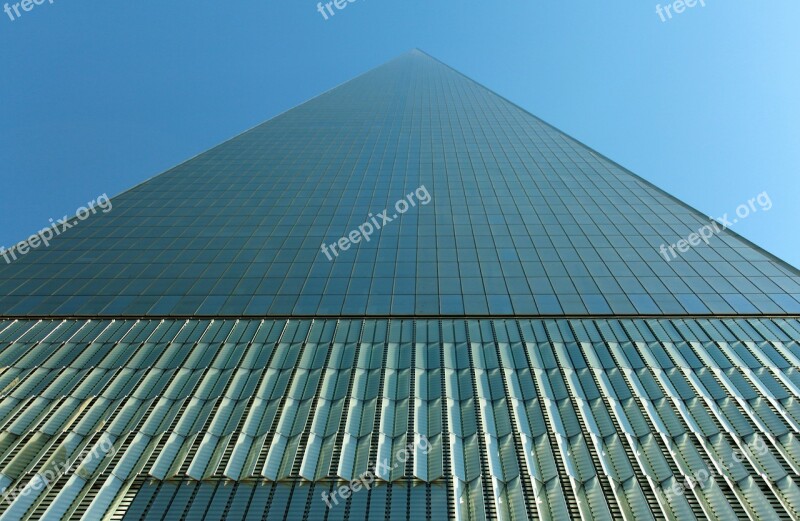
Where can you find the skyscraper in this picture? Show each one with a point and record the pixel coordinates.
(406, 298)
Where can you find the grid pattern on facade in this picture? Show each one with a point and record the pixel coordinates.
(500, 419)
(522, 220)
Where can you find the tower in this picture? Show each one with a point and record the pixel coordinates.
(405, 298)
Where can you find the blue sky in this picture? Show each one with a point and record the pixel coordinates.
(99, 96)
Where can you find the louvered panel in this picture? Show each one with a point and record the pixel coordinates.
(428, 457)
(579, 453)
(35, 382)
(92, 382)
(225, 412)
(131, 456)
(67, 449)
(61, 382)
(123, 383)
(731, 456)
(509, 457)
(790, 494)
(545, 458)
(183, 382)
(755, 499)
(102, 501)
(235, 467)
(601, 418)
(473, 506)
(679, 383)
(97, 456)
(635, 418)
(689, 455)
(65, 498)
(569, 418)
(762, 455)
(718, 505)
(472, 457)
(791, 449)
(167, 456)
(24, 457)
(150, 384)
(737, 419)
(774, 423)
(670, 419)
(510, 501)
(222, 407)
(676, 502)
(594, 500)
(771, 383)
(701, 417)
(205, 451)
(792, 407)
(635, 506)
(553, 499)
(61, 415)
(615, 456)
(163, 413)
(194, 412)
(28, 495)
(131, 412)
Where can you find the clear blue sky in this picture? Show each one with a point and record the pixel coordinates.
(98, 96)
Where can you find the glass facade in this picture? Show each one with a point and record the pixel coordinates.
(511, 345)
(522, 220)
